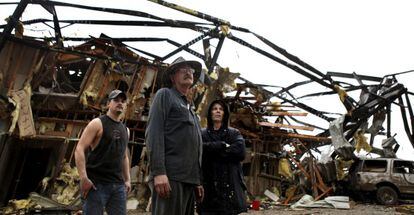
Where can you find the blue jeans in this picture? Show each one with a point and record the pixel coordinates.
(109, 197)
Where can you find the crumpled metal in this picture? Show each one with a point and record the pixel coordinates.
(379, 118)
(387, 146)
(342, 147)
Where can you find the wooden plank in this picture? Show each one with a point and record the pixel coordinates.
(74, 122)
(107, 79)
(303, 136)
(15, 68)
(271, 177)
(275, 113)
(71, 111)
(269, 124)
(6, 59)
(277, 105)
(88, 75)
(25, 120)
(285, 113)
(324, 193)
(244, 97)
(47, 138)
(69, 129)
(300, 167)
(56, 133)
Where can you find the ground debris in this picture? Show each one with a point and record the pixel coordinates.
(64, 194)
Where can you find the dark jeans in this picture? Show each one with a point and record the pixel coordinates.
(111, 197)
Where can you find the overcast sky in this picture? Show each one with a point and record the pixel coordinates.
(370, 37)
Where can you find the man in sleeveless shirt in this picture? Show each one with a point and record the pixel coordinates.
(174, 143)
(102, 160)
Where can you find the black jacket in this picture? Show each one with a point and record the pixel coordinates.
(222, 172)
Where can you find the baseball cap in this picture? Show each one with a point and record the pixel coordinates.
(116, 93)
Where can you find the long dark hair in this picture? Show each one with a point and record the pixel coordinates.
(226, 116)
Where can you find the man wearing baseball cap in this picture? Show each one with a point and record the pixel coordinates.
(174, 143)
(102, 160)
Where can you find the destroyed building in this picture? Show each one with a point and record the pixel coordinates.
(50, 90)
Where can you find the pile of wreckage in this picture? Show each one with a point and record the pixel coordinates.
(49, 92)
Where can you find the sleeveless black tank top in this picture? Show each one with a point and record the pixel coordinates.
(105, 163)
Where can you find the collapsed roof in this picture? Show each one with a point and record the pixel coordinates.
(72, 75)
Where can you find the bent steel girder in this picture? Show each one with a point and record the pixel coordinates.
(12, 22)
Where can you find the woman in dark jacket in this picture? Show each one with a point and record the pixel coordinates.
(223, 150)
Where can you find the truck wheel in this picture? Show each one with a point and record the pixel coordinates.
(387, 195)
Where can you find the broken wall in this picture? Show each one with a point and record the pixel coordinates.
(49, 97)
